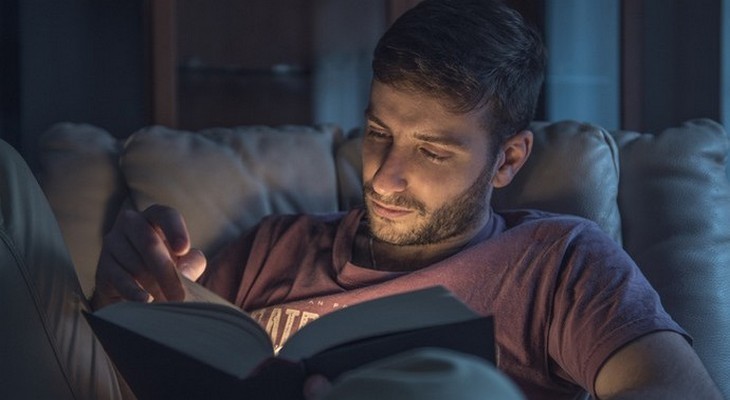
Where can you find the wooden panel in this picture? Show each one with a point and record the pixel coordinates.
(632, 65)
(244, 62)
(254, 34)
(163, 60)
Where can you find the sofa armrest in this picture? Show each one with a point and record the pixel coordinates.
(675, 206)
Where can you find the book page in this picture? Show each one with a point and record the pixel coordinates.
(194, 292)
(214, 334)
(400, 312)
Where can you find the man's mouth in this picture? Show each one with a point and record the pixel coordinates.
(388, 211)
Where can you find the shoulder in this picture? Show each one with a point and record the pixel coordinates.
(566, 249)
(548, 226)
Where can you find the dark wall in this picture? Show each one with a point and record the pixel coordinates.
(9, 72)
(682, 68)
(85, 61)
(75, 60)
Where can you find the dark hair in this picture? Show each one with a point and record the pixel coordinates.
(471, 53)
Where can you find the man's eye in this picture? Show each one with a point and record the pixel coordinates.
(378, 135)
(433, 156)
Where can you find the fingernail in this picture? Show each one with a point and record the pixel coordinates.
(179, 243)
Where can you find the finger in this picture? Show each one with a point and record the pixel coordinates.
(124, 255)
(192, 264)
(155, 258)
(171, 226)
(118, 264)
(113, 283)
(129, 288)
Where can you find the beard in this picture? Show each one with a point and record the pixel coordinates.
(451, 219)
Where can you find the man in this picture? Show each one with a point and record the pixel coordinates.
(455, 86)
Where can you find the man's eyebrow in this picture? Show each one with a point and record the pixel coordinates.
(369, 116)
(442, 140)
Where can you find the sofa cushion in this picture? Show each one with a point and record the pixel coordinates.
(573, 169)
(348, 159)
(224, 180)
(675, 207)
(79, 176)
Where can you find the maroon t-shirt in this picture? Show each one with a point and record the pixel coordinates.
(563, 294)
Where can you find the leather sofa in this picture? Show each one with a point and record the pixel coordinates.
(665, 197)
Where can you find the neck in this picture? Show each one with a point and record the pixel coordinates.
(373, 253)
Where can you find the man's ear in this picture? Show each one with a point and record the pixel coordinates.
(511, 157)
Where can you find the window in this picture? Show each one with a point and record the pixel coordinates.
(582, 81)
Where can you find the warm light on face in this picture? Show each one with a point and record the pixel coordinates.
(426, 171)
(467, 211)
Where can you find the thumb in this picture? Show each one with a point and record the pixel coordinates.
(192, 264)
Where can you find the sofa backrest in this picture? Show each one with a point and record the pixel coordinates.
(665, 196)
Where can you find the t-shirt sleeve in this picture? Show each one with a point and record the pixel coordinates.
(602, 302)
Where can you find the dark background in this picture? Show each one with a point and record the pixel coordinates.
(122, 65)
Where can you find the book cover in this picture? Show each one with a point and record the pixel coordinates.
(195, 350)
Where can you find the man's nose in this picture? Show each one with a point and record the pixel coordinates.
(390, 176)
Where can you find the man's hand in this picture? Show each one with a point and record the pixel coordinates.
(142, 256)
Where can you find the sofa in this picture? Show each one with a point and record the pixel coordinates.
(664, 196)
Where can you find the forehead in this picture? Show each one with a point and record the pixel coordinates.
(405, 111)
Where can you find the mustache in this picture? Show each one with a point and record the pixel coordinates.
(396, 200)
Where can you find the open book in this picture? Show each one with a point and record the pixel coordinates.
(216, 351)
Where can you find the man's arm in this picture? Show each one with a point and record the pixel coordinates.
(660, 365)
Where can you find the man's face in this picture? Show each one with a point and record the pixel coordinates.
(427, 172)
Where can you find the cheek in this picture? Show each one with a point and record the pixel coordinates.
(435, 188)
(442, 186)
